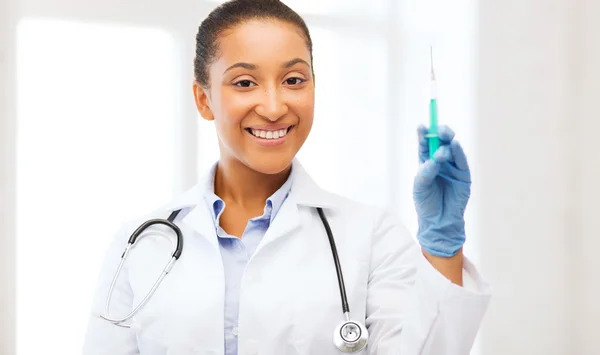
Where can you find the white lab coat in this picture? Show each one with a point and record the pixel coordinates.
(289, 298)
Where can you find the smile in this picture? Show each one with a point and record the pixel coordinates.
(269, 134)
(270, 137)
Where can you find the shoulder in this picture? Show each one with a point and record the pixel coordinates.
(179, 201)
(305, 191)
(350, 207)
(378, 219)
(375, 234)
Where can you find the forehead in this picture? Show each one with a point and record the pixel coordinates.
(262, 40)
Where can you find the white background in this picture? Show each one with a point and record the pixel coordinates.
(98, 125)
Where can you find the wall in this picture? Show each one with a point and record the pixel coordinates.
(537, 84)
(584, 180)
(7, 178)
(524, 165)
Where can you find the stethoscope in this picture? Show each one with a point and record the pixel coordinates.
(349, 336)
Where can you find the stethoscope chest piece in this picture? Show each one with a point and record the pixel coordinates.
(350, 336)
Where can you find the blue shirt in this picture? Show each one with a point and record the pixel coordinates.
(236, 252)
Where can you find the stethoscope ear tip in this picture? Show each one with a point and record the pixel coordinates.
(350, 336)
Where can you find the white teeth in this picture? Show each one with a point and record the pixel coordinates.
(269, 134)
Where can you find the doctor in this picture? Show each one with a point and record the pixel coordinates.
(257, 275)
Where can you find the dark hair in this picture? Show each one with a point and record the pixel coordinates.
(230, 14)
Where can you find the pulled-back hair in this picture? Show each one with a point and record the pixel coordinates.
(231, 14)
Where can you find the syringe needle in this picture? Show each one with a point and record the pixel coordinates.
(431, 61)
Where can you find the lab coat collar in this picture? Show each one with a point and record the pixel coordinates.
(196, 213)
(304, 192)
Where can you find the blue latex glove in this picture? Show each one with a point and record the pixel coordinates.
(441, 191)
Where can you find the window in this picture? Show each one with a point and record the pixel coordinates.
(95, 145)
(347, 151)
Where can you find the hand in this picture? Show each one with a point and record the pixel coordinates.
(441, 191)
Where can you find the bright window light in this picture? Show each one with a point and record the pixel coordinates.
(347, 151)
(95, 145)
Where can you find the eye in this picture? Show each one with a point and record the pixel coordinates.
(244, 83)
(294, 81)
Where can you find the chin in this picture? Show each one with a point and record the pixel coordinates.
(269, 165)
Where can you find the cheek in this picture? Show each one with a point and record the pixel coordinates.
(229, 112)
(307, 103)
(305, 108)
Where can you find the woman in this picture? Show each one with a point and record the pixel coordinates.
(257, 274)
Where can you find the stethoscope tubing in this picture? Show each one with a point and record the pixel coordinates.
(357, 343)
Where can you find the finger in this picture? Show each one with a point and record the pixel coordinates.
(423, 143)
(458, 156)
(422, 130)
(426, 174)
(443, 154)
(446, 134)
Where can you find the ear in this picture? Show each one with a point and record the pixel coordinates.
(202, 101)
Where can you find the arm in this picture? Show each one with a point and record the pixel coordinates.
(451, 268)
(103, 337)
(437, 315)
(412, 309)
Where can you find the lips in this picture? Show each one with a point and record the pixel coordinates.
(270, 136)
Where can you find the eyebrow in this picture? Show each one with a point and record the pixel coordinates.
(241, 65)
(295, 61)
(249, 66)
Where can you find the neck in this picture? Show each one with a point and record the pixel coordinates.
(236, 183)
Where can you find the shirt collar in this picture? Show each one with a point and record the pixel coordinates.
(303, 192)
(272, 204)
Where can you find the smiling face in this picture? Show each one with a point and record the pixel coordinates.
(260, 95)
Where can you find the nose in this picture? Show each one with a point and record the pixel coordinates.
(272, 105)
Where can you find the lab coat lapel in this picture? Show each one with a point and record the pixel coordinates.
(287, 220)
(199, 218)
(304, 192)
